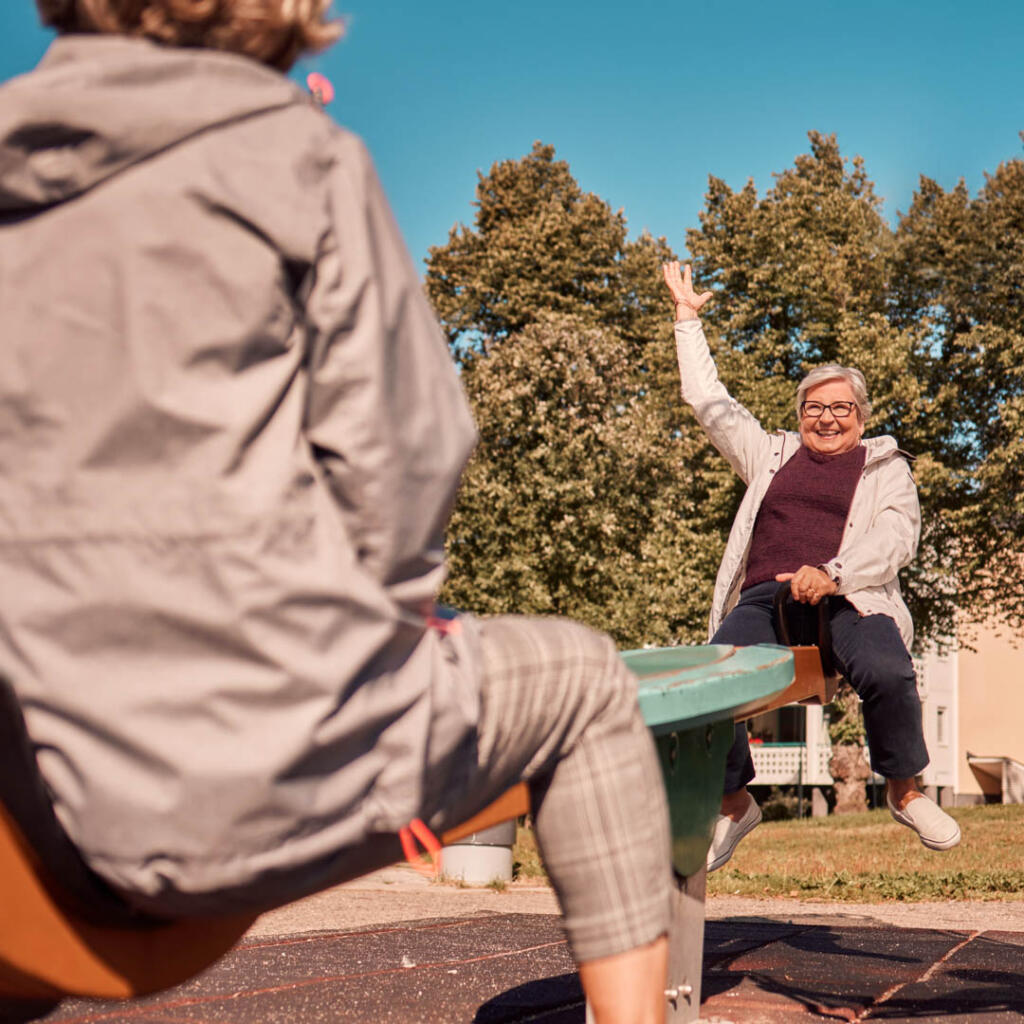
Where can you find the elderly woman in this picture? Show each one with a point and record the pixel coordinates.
(232, 433)
(837, 516)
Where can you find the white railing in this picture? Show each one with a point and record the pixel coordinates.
(787, 764)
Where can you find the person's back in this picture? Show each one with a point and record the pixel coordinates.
(183, 587)
(230, 437)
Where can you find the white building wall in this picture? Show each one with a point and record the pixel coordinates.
(937, 685)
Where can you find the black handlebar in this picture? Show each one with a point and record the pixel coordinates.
(794, 627)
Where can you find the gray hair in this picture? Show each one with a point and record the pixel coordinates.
(832, 371)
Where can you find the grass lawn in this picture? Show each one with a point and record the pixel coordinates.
(865, 858)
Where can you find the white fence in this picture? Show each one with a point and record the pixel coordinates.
(787, 764)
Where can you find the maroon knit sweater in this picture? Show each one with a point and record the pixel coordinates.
(803, 514)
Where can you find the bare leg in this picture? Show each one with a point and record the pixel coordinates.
(734, 805)
(628, 988)
(901, 791)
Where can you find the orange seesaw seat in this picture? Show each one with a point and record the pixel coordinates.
(48, 951)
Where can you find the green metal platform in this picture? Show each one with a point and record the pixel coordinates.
(689, 697)
(706, 684)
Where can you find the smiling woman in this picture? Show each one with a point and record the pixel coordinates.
(837, 517)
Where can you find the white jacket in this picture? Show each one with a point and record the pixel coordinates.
(884, 522)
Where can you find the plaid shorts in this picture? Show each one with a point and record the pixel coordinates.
(558, 709)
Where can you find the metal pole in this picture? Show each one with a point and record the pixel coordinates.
(800, 766)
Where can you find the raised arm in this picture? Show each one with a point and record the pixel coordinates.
(729, 426)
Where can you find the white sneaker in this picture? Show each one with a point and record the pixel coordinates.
(936, 829)
(728, 833)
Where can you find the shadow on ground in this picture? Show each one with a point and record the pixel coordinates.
(495, 968)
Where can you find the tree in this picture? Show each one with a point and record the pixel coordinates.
(571, 504)
(960, 272)
(592, 493)
(539, 244)
(791, 270)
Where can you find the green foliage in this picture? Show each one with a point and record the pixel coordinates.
(539, 244)
(591, 494)
(575, 502)
(960, 274)
(794, 270)
(780, 805)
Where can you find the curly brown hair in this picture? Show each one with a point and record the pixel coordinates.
(276, 32)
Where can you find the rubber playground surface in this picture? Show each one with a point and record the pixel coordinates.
(396, 948)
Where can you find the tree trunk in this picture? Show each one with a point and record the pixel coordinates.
(848, 766)
(850, 772)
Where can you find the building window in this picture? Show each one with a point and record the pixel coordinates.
(941, 727)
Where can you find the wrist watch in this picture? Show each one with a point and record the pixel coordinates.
(832, 572)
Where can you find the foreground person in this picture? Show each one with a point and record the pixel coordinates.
(837, 516)
(231, 438)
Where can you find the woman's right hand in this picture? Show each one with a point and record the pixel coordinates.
(680, 284)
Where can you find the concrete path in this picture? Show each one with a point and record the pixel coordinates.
(394, 947)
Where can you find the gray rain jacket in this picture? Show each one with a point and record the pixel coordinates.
(230, 436)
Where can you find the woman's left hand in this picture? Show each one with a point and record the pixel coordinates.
(808, 585)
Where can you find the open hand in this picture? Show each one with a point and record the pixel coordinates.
(680, 284)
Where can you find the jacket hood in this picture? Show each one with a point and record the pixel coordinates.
(884, 447)
(97, 104)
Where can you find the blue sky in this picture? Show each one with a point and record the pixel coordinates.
(646, 99)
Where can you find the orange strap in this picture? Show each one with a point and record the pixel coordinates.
(429, 862)
(451, 627)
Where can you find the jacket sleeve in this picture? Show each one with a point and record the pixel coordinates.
(386, 415)
(731, 428)
(890, 541)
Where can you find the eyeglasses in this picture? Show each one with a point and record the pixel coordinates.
(838, 409)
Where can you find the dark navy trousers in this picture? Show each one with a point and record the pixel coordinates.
(869, 651)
